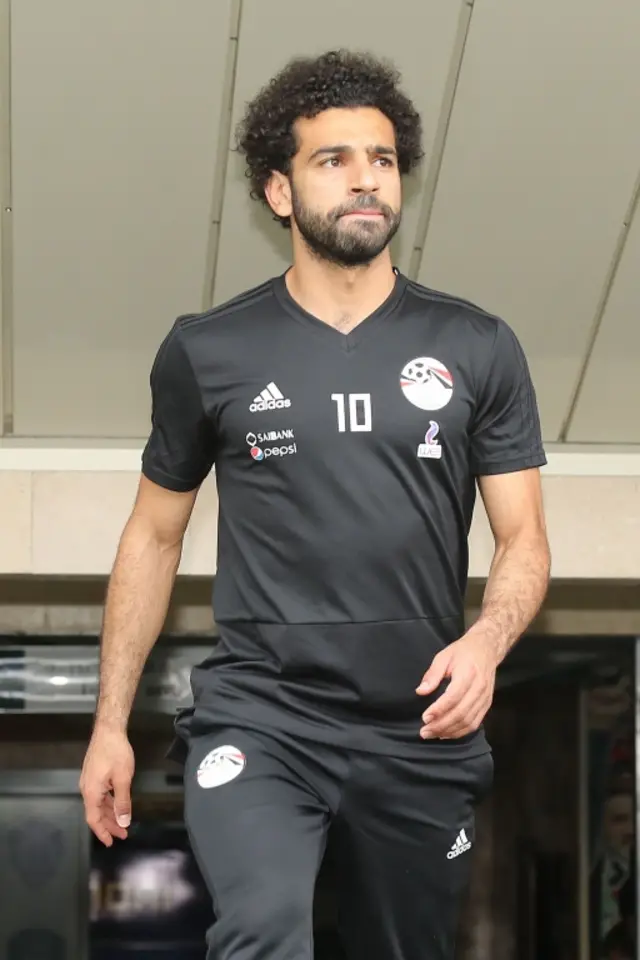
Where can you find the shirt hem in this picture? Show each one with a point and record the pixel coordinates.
(510, 466)
(168, 482)
(350, 738)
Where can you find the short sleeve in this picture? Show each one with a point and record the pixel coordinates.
(180, 451)
(505, 434)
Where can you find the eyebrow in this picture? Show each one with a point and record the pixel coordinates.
(345, 148)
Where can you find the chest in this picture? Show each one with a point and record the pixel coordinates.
(395, 400)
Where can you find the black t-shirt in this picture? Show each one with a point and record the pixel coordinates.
(345, 469)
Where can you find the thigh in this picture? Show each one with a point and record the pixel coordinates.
(404, 840)
(258, 831)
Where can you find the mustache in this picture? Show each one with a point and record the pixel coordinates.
(366, 204)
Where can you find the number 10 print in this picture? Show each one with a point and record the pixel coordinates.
(359, 412)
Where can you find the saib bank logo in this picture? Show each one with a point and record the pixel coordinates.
(260, 452)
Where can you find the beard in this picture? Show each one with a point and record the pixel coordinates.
(346, 243)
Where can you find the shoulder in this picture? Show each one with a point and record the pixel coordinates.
(196, 338)
(463, 317)
(246, 306)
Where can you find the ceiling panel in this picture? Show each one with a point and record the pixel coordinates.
(116, 108)
(540, 161)
(419, 37)
(608, 410)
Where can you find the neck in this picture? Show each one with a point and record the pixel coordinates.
(340, 296)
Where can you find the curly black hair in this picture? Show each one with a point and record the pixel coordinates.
(307, 86)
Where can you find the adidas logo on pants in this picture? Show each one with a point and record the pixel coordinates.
(461, 845)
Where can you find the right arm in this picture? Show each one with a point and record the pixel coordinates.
(138, 596)
(177, 458)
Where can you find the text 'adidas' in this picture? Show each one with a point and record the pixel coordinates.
(271, 398)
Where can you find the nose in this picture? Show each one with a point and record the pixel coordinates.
(364, 177)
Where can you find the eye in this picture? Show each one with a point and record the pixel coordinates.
(330, 162)
(385, 161)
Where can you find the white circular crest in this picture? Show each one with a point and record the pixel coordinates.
(220, 766)
(426, 383)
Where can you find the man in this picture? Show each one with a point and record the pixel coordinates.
(348, 413)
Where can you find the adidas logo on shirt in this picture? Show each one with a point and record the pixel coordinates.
(270, 399)
(461, 845)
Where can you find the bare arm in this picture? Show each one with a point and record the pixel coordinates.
(519, 574)
(178, 455)
(138, 596)
(515, 590)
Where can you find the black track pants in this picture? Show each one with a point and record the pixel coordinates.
(258, 810)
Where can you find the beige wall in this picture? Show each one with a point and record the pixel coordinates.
(59, 607)
(62, 512)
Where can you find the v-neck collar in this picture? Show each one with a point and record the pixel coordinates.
(347, 341)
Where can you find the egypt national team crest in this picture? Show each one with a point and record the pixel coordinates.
(220, 766)
(426, 383)
(430, 449)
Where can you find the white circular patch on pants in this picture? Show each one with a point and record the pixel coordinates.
(220, 766)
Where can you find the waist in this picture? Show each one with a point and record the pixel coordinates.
(372, 668)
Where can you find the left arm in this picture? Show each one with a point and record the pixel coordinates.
(520, 569)
(505, 455)
(514, 593)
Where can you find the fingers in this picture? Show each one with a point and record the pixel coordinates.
(460, 722)
(463, 729)
(460, 709)
(109, 822)
(105, 784)
(435, 674)
(106, 815)
(122, 799)
(460, 685)
(100, 817)
(460, 716)
(95, 799)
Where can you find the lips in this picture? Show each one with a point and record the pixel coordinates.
(364, 213)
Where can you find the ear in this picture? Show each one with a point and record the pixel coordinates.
(278, 193)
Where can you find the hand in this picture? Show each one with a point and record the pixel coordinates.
(105, 785)
(471, 665)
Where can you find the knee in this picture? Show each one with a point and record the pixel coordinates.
(279, 905)
(277, 919)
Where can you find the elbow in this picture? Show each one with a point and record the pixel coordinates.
(543, 559)
(532, 545)
(541, 548)
(141, 536)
